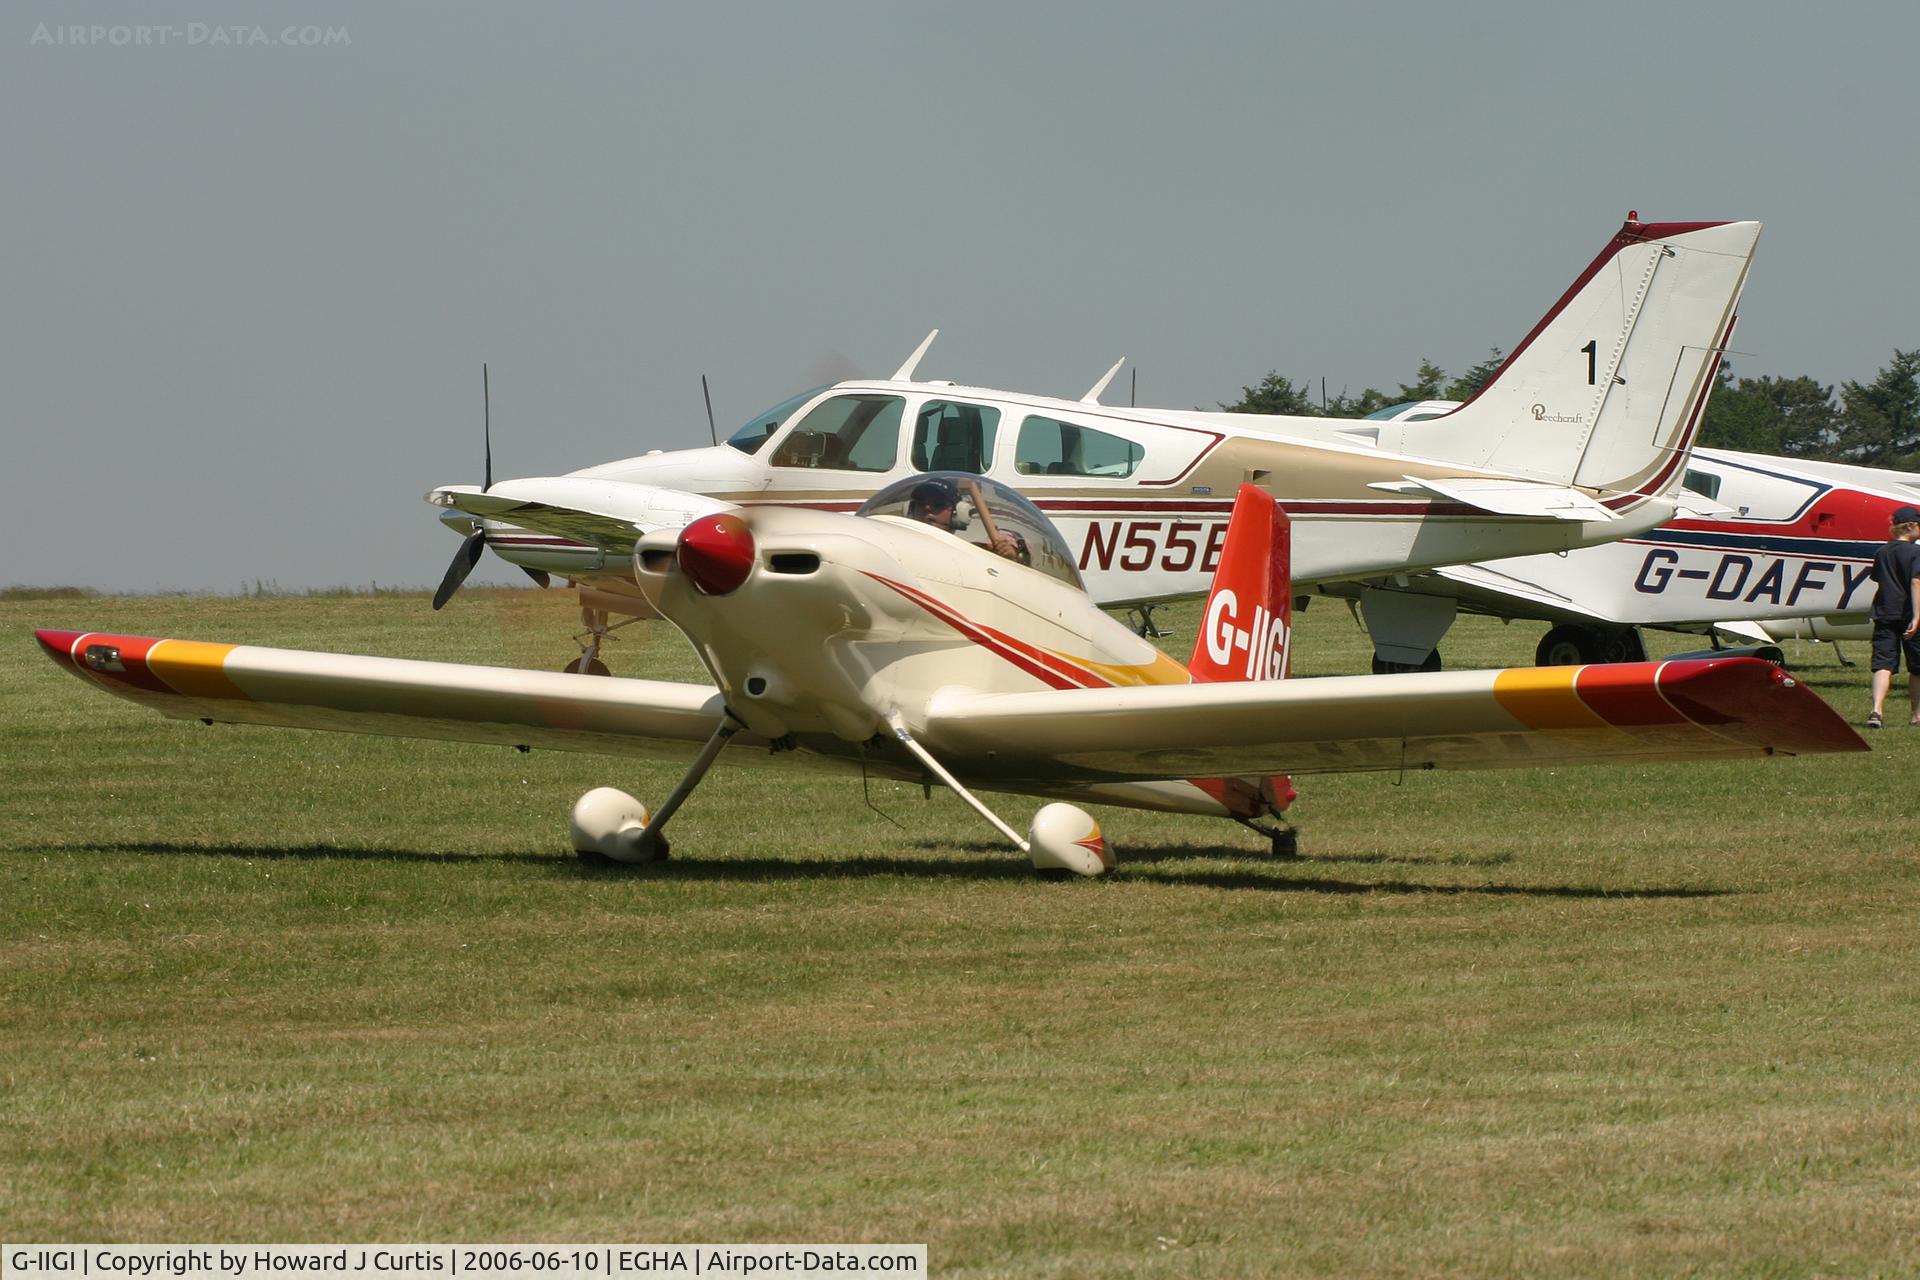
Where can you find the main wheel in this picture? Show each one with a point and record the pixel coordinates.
(1567, 646)
(593, 667)
(1382, 667)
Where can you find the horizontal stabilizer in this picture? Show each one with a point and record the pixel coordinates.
(1506, 497)
(1689, 505)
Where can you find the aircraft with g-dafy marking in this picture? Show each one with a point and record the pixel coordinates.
(1764, 548)
(1580, 438)
(943, 634)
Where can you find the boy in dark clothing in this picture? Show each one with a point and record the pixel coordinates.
(1896, 571)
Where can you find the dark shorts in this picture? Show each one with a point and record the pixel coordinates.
(1889, 644)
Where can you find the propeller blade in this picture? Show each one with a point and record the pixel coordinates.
(463, 561)
(540, 576)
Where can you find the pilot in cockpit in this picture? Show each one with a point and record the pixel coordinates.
(937, 502)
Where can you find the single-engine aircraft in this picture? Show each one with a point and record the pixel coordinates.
(943, 634)
(1580, 438)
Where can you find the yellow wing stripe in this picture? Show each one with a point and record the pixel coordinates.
(194, 668)
(1544, 698)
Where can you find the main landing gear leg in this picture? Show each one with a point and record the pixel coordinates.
(1063, 837)
(611, 826)
(1284, 839)
(1141, 620)
(598, 631)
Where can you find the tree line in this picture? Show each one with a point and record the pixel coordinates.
(1872, 424)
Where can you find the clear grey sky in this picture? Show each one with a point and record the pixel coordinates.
(245, 290)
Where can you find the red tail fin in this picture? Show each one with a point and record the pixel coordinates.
(1247, 631)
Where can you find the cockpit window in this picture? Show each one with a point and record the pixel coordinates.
(980, 511)
(951, 435)
(760, 427)
(846, 433)
(1050, 447)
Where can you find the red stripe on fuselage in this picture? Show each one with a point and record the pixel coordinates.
(1043, 666)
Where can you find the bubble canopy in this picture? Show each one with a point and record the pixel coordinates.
(974, 509)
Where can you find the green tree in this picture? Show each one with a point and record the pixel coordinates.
(1275, 394)
(1793, 417)
(1468, 384)
(1344, 406)
(1880, 420)
(1430, 383)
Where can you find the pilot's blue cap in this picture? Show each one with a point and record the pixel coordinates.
(931, 495)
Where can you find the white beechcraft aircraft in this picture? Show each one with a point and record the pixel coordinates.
(1580, 438)
(943, 634)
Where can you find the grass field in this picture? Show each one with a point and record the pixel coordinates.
(262, 985)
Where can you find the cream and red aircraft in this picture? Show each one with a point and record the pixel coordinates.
(1579, 439)
(943, 634)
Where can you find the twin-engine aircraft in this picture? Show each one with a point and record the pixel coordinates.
(943, 633)
(1580, 438)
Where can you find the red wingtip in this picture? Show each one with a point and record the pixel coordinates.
(58, 644)
(1756, 703)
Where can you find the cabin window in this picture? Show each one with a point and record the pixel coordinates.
(949, 435)
(1704, 483)
(1048, 447)
(846, 433)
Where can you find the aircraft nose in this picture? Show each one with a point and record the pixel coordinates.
(716, 553)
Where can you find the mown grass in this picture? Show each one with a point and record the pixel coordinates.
(266, 985)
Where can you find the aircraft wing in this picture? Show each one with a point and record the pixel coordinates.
(609, 514)
(1457, 719)
(1506, 497)
(1647, 711)
(1484, 582)
(247, 684)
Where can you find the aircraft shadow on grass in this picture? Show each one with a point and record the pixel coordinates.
(980, 860)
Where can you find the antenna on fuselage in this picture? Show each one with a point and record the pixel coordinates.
(1133, 392)
(905, 372)
(486, 426)
(1093, 392)
(711, 429)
